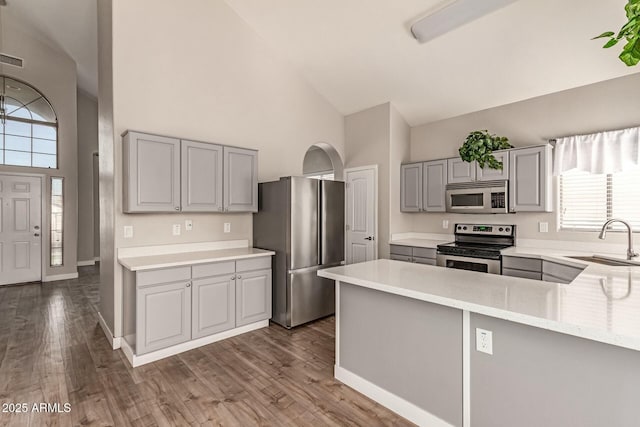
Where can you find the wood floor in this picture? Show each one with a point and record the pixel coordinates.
(52, 350)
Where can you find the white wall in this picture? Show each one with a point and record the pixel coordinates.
(198, 71)
(380, 136)
(53, 73)
(607, 105)
(87, 146)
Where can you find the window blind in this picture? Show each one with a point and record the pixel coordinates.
(588, 200)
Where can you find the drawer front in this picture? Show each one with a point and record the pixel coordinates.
(427, 261)
(424, 253)
(401, 250)
(251, 264)
(395, 257)
(522, 273)
(213, 269)
(561, 271)
(529, 264)
(164, 275)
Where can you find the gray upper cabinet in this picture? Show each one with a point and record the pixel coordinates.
(214, 307)
(151, 173)
(201, 177)
(411, 187)
(530, 179)
(253, 296)
(434, 185)
(240, 180)
(164, 316)
(488, 174)
(163, 174)
(460, 171)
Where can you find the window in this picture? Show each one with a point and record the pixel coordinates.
(28, 126)
(588, 200)
(57, 218)
(322, 175)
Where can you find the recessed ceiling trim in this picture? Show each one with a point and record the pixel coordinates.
(453, 15)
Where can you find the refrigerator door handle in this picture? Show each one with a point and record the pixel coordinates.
(320, 221)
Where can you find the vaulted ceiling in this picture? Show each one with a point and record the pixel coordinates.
(360, 53)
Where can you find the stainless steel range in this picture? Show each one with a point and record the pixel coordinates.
(477, 247)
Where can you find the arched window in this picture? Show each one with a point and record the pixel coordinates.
(28, 126)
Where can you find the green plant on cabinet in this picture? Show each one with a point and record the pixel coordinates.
(480, 145)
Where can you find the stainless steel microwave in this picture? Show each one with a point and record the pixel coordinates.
(478, 197)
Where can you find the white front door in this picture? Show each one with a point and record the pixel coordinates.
(20, 229)
(362, 208)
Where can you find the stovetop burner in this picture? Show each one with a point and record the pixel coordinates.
(480, 241)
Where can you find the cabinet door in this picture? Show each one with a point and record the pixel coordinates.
(253, 297)
(460, 171)
(214, 308)
(151, 173)
(240, 180)
(201, 177)
(530, 179)
(411, 187)
(434, 186)
(164, 316)
(488, 174)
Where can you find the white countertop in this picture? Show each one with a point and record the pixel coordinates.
(601, 304)
(150, 262)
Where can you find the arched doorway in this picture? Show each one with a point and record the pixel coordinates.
(323, 161)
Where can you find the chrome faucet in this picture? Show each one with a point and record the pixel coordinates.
(630, 252)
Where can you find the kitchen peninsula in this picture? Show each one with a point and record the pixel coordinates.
(561, 354)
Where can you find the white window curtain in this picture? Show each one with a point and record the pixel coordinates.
(598, 153)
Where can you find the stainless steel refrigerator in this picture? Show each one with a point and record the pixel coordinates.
(302, 220)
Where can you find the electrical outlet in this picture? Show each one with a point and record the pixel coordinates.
(543, 227)
(128, 231)
(176, 229)
(484, 341)
(445, 224)
(188, 225)
(227, 227)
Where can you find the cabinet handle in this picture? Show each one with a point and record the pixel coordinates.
(177, 208)
(239, 277)
(188, 285)
(233, 277)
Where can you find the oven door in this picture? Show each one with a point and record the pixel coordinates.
(468, 263)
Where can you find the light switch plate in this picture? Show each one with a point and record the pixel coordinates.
(227, 227)
(484, 341)
(543, 227)
(445, 224)
(176, 229)
(188, 225)
(128, 231)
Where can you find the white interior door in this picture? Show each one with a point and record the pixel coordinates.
(362, 208)
(20, 229)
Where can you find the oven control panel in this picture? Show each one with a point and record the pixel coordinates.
(486, 229)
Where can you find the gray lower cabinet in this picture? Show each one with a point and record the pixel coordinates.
(413, 254)
(240, 180)
(530, 179)
(151, 173)
(164, 316)
(201, 173)
(411, 187)
(253, 296)
(214, 308)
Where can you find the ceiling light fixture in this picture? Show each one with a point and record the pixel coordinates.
(452, 15)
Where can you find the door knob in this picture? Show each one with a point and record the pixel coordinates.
(37, 227)
(369, 238)
(36, 234)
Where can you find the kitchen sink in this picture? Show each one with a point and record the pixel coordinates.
(606, 260)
